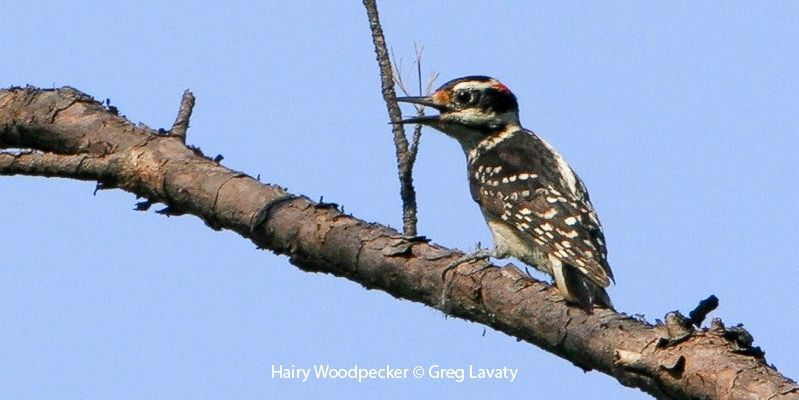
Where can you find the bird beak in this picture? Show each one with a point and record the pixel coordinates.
(426, 101)
(422, 100)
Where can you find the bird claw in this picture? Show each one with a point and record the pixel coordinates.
(479, 254)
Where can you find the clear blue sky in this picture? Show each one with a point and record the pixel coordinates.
(682, 119)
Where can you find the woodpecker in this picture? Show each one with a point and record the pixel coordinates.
(536, 207)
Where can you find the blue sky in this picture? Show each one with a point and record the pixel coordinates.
(681, 118)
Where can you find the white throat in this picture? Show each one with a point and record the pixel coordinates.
(489, 142)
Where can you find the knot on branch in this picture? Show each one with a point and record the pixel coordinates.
(742, 341)
(678, 328)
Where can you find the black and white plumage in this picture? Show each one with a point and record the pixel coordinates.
(536, 207)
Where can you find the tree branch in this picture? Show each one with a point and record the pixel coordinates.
(73, 136)
(404, 158)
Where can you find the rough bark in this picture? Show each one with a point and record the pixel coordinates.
(70, 135)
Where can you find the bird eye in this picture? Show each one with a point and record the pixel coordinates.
(465, 97)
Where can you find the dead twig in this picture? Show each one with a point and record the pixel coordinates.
(404, 160)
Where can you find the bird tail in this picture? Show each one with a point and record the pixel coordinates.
(577, 288)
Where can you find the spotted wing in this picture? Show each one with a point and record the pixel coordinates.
(524, 183)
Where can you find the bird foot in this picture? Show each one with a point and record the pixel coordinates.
(479, 254)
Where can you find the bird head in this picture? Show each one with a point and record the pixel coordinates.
(471, 109)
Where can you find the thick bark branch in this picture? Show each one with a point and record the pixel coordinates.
(75, 137)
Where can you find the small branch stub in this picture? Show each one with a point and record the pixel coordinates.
(181, 124)
(703, 309)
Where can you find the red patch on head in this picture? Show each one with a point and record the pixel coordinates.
(502, 88)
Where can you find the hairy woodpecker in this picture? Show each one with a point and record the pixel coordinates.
(535, 205)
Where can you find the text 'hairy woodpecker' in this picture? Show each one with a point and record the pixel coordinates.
(535, 205)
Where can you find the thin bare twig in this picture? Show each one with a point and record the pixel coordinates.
(404, 162)
(400, 82)
(417, 130)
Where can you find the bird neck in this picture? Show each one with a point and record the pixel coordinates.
(479, 145)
